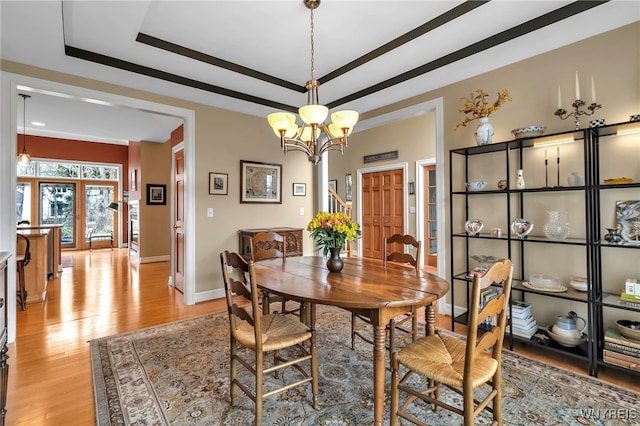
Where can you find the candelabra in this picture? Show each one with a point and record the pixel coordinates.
(578, 110)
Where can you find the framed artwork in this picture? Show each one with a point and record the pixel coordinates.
(299, 189)
(347, 187)
(628, 216)
(132, 180)
(156, 194)
(218, 183)
(334, 184)
(260, 182)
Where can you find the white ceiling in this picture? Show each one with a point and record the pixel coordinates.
(272, 39)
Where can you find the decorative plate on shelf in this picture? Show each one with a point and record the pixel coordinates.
(617, 181)
(528, 132)
(560, 289)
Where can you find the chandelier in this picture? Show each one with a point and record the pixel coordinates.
(24, 156)
(313, 137)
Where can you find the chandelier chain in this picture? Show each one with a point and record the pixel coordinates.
(312, 48)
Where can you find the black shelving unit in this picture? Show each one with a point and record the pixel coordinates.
(514, 205)
(602, 300)
(607, 286)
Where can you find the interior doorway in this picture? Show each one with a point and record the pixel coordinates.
(383, 207)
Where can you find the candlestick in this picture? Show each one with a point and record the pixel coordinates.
(546, 170)
(578, 105)
(559, 98)
(558, 163)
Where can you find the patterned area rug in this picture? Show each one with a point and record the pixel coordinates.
(178, 374)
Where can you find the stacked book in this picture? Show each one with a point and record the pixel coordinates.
(630, 299)
(523, 324)
(620, 351)
(485, 296)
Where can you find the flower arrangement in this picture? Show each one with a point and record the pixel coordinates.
(333, 230)
(477, 106)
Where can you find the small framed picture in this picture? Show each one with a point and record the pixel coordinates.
(299, 189)
(132, 180)
(218, 183)
(347, 187)
(260, 182)
(334, 184)
(156, 194)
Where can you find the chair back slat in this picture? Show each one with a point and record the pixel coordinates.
(499, 273)
(391, 255)
(23, 247)
(233, 263)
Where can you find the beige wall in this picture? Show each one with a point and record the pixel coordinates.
(223, 138)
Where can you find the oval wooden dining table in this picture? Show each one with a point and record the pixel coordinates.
(364, 286)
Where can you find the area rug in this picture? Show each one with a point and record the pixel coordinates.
(178, 374)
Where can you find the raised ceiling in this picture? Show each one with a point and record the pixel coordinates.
(254, 56)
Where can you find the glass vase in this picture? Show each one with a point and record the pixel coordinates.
(557, 225)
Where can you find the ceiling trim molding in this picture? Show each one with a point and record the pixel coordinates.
(173, 78)
(480, 46)
(217, 62)
(421, 30)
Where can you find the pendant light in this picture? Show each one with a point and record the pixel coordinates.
(313, 137)
(24, 157)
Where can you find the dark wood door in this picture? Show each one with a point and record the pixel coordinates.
(382, 209)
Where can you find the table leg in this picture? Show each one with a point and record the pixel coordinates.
(430, 319)
(379, 354)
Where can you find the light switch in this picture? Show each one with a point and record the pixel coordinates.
(301, 211)
(412, 209)
(210, 212)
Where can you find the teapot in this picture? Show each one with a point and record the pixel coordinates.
(567, 325)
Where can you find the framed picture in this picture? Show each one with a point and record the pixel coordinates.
(299, 189)
(334, 184)
(218, 183)
(156, 194)
(132, 180)
(260, 182)
(347, 187)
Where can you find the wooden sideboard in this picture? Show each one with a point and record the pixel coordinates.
(292, 236)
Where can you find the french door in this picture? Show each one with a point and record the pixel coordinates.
(57, 206)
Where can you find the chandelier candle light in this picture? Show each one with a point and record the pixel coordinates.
(314, 137)
(578, 104)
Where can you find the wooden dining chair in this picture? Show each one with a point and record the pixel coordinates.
(23, 257)
(460, 365)
(403, 327)
(261, 334)
(270, 245)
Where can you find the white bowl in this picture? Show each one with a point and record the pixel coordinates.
(579, 283)
(569, 342)
(544, 281)
(528, 132)
(476, 185)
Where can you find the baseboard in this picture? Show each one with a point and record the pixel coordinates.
(154, 259)
(209, 295)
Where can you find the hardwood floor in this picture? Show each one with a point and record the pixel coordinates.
(102, 294)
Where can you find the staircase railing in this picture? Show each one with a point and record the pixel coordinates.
(337, 204)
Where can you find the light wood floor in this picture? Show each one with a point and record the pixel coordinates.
(49, 367)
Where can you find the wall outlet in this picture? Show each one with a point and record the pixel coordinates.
(412, 209)
(301, 211)
(210, 212)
